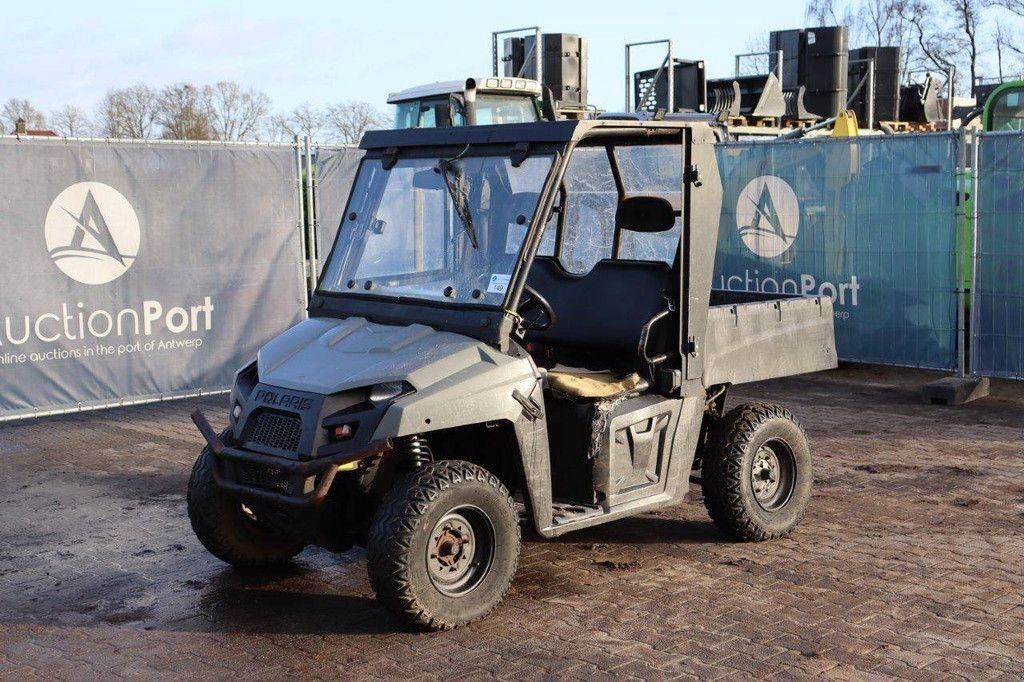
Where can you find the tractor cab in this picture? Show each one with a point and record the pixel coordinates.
(475, 101)
(1004, 108)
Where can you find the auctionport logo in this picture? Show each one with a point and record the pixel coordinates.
(92, 233)
(768, 216)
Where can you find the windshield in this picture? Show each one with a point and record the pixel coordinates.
(436, 229)
(428, 113)
(491, 109)
(1007, 111)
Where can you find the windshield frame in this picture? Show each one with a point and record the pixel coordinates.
(490, 322)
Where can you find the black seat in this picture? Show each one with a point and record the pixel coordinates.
(604, 310)
(603, 315)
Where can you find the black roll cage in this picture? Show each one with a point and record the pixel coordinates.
(487, 323)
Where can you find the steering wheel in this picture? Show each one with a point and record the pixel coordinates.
(532, 299)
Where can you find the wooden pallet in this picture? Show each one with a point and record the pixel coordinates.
(750, 121)
(797, 123)
(895, 126)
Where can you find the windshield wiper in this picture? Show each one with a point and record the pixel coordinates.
(458, 190)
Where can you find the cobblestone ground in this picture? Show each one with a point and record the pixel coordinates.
(909, 564)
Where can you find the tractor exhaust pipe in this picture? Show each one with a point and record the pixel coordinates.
(469, 97)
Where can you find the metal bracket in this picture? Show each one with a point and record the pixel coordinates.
(519, 154)
(692, 175)
(389, 158)
(531, 409)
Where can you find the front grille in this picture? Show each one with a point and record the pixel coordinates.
(262, 477)
(278, 431)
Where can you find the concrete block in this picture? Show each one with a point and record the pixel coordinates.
(955, 390)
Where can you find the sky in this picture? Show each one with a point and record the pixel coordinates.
(67, 52)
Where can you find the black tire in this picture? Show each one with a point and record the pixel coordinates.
(226, 529)
(415, 558)
(757, 473)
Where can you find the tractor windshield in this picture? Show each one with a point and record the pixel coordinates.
(1006, 110)
(436, 229)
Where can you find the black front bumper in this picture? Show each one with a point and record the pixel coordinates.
(308, 482)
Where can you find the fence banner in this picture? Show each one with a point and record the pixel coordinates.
(335, 170)
(138, 271)
(997, 347)
(870, 222)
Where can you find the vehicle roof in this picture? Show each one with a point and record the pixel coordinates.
(497, 84)
(510, 133)
(427, 90)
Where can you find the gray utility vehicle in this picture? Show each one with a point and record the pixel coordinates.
(515, 321)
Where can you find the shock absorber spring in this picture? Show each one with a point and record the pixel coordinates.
(414, 451)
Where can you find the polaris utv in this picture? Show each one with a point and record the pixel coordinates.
(516, 322)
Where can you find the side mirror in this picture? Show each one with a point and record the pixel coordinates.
(645, 213)
(428, 178)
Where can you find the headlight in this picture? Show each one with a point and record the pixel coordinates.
(248, 377)
(382, 393)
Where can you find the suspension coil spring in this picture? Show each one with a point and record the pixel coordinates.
(414, 451)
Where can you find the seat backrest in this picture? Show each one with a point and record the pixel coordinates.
(604, 309)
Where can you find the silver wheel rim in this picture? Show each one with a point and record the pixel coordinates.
(460, 551)
(773, 474)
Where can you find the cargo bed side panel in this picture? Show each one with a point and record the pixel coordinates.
(767, 339)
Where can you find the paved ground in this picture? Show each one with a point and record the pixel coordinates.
(909, 564)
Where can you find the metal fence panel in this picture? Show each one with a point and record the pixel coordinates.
(139, 271)
(997, 347)
(335, 170)
(870, 222)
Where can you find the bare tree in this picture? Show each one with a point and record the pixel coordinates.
(832, 13)
(820, 12)
(128, 113)
(15, 109)
(184, 112)
(934, 41)
(876, 17)
(347, 121)
(1005, 43)
(1015, 6)
(966, 18)
(236, 114)
(303, 120)
(756, 43)
(71, 121)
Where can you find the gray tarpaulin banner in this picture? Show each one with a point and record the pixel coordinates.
(335, 170)
(139, 271)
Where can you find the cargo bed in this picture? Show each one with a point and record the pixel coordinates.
(753, 336)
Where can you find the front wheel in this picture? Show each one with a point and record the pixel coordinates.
(444, 546)
(756, 474)
(228, 527)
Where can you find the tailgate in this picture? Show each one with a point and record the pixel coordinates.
(767, 339)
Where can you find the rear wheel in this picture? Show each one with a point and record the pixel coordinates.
(444, 546)
(228, 527)
(756, 474)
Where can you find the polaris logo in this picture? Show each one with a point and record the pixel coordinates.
(92, 233)
(768, 216)
(275, 399)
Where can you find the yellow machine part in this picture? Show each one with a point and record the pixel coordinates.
(845, 125)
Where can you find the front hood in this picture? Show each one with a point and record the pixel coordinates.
(325, 355)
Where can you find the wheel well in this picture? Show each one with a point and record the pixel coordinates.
(492, 445)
